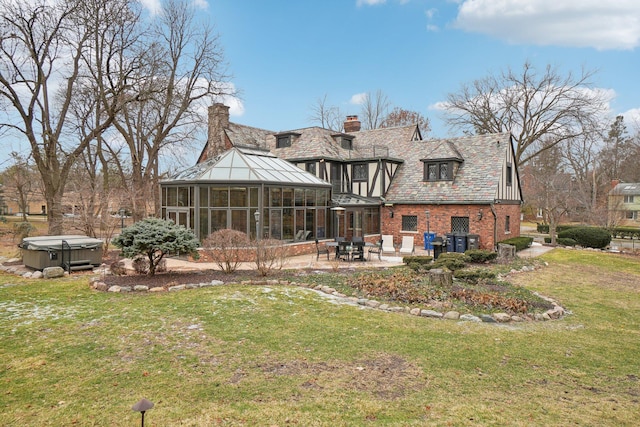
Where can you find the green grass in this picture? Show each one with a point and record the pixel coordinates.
(276, 355)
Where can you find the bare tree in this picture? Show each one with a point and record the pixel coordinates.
(184, 71)
(374, 110)
(401, 117)
(328, 117)
(48, 52)
(620, 155)
(19, 178)
(531, 106)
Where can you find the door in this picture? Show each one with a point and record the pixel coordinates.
(179, 216)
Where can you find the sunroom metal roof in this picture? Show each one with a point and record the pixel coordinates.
(247, 165)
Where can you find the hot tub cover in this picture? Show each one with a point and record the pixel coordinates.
(51, 243)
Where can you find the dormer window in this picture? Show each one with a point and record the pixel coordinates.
(346, 143)
(438, 171)
(283, 141)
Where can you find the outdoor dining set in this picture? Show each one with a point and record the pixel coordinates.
(345, 250)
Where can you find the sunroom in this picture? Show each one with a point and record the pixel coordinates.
(249, 189)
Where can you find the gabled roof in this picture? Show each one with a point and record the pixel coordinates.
(246, 135)
(626, 189)
(445, 150)
(247, 165)
(476, 181)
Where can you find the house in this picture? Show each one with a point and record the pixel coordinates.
(624, 203)
(391, 181)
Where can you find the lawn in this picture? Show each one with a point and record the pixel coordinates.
(275, 355)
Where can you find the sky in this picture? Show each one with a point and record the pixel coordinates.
(286, 54)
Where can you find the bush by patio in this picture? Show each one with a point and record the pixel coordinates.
(520, 243)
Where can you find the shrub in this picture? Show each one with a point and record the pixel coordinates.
(589, 237)
(270, 254)
(480, 256)
(451, 260)
(564, 241)
(520, 243)
(22, 229)
(227, 248)
(420, 259)
(474, 275)
(155, 238)
(626, 232)
(543, 228)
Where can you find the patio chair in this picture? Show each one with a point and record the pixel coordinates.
(377, 249)
(387, 244)
(321, 251)
(344, 250)
(407, 247)
(358, 251)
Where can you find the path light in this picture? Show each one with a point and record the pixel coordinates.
(142, 406)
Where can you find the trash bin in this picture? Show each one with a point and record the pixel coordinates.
(473, 241)
(451, 242)
(428, 240)
(461, 242)
(438, 247)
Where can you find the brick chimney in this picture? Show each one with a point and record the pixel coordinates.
(352, 124)
(216, 138)
(614, 182)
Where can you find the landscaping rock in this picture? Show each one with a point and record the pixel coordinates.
(470, 318)
(451, 315)
(431, 313)
(53, 272)
(415, 311)
(114, 288)
(140, 288)
(487, 318)
(157, 289)
(502, 317)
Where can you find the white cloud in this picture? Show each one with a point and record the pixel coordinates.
(369, 2)
(153, 6)
(358, 98)
(577, 23)
(201, 4)
(632, 119)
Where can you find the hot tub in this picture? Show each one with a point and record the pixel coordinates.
(71, 252)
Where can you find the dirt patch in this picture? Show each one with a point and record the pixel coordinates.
(386, 376)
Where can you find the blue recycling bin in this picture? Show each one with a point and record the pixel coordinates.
(428, 240)
(461, 242)
(451, 242)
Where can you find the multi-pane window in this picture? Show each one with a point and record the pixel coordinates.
(360, 172)
(310, 167)
(438, 171)
(631, 214)
(628, 199)
(444, 168)
(346, 143)
(507, 224)
(283, 141)
(409, 223)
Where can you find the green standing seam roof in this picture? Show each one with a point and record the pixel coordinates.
(247, 165)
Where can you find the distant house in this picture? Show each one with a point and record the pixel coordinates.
(624, 203)
(390, 181)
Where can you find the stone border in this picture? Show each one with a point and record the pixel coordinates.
(556, 312)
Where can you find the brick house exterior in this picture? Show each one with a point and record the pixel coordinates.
(387, 179)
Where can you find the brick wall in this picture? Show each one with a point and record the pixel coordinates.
(440, 221)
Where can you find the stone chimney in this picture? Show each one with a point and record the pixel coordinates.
(352, 124)
(217, 138)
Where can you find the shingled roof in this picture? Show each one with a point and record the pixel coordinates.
(476, 181)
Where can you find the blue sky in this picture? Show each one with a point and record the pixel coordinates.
(286, 54)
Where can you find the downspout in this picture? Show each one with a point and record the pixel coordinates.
(495, 227)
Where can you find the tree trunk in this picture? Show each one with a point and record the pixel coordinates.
(440, 277)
